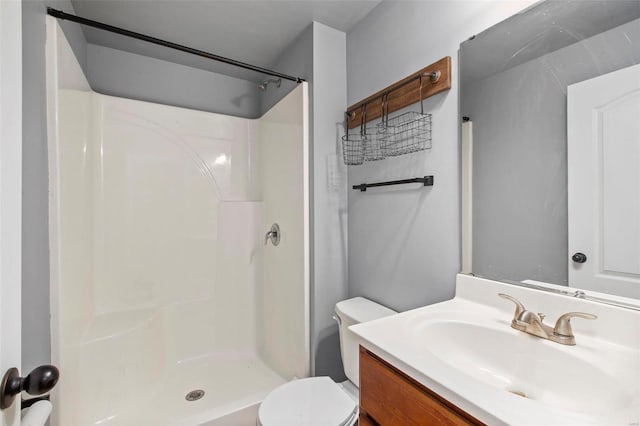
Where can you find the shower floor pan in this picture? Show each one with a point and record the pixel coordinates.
(229, 386)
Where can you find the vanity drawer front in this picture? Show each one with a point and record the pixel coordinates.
(365, 420)
(390, 397)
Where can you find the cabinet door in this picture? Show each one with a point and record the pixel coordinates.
(365, 420)
(391, 398)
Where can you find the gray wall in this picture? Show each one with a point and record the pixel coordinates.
(119, 73)
(319, 56)
(297, 61)
(404, 242)
(329, 197)
(520, 155)
(36, 348)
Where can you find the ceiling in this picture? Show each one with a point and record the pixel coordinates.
(252, 31)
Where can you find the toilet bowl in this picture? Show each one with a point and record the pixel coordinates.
(319, 401)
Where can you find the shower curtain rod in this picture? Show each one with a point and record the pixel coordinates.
(88, 22)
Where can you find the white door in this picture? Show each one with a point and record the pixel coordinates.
(603, 123)
(10, 192)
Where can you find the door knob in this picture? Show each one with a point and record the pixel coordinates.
(579, 257)
(41, 380)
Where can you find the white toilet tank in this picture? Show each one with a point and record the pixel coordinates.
(350, 312)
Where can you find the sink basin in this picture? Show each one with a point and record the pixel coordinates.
(568, 377)
(465, 350)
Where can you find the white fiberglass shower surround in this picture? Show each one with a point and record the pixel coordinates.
(161, 280)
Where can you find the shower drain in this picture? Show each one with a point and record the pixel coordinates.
(194, 395)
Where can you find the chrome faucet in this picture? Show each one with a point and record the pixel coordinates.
(532, 323)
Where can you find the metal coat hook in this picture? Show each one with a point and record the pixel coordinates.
(385, 109)
(421, 103)
(434, 76)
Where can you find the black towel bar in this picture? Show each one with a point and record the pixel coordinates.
(427, 181)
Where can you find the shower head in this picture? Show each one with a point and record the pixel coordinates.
(263, 86)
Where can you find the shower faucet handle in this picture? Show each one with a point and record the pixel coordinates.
(273, 235)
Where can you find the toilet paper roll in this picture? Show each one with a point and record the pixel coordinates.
(37, 414)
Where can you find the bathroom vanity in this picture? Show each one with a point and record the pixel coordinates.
(388, 396)
(462, 362)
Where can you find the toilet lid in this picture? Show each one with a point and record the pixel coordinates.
(315, 401)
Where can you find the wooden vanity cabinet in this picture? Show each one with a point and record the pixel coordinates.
(389, 397)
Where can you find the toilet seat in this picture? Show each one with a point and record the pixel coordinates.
(314, 401)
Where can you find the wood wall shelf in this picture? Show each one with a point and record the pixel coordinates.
(403, 93)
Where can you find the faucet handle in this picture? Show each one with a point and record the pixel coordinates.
(273, 235)
(519, 306)
(563, 325)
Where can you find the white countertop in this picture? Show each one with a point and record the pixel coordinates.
(399, 340)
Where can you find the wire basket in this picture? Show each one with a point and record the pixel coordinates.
(353, 149)
(374, 146)
(406, 133)
(360, 147)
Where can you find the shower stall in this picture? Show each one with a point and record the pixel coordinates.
(169, 305)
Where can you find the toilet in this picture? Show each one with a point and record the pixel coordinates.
(319, 401)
